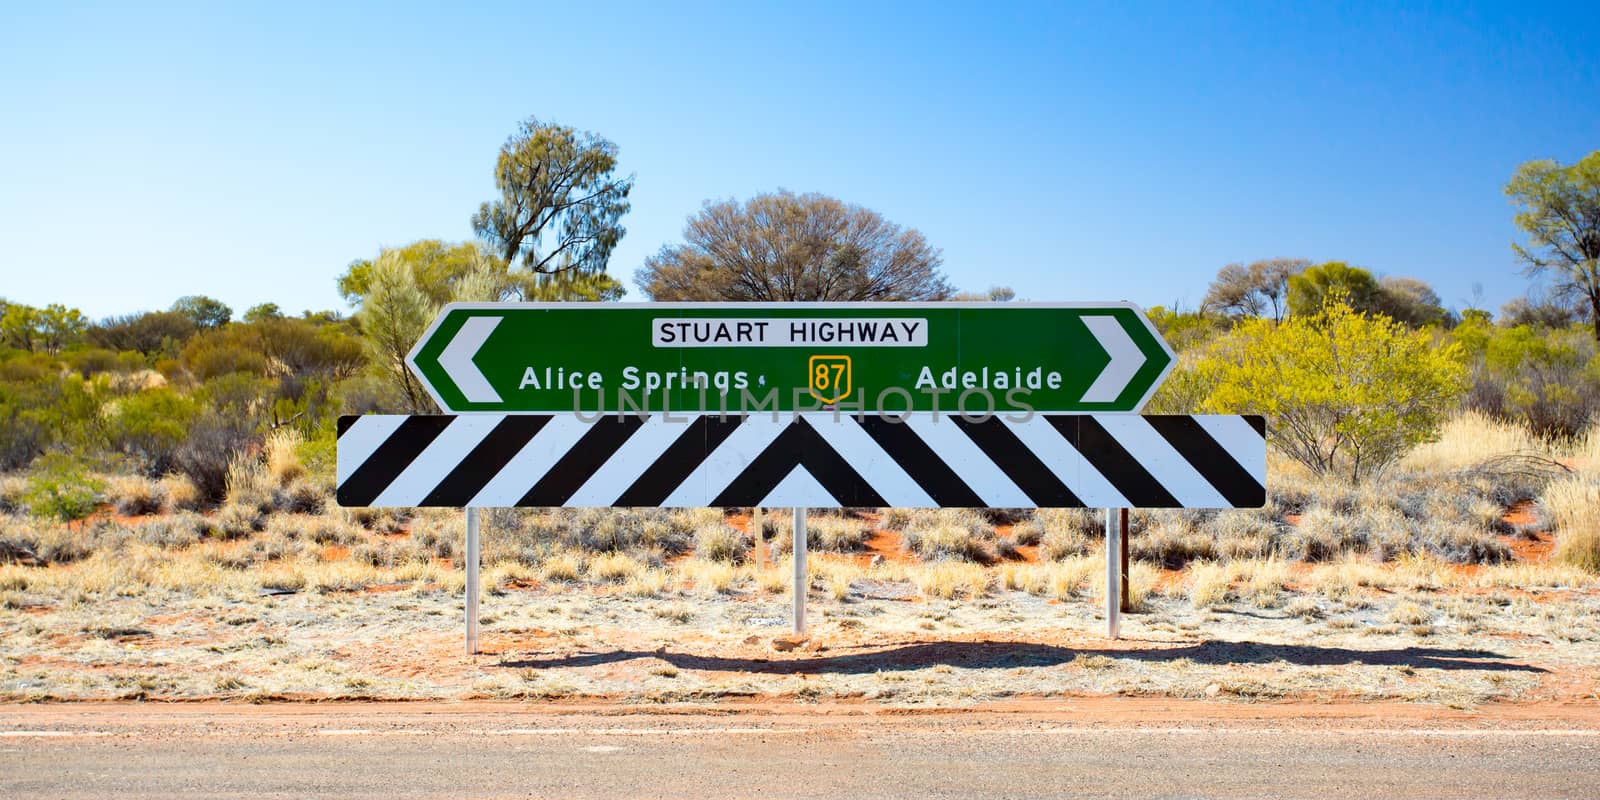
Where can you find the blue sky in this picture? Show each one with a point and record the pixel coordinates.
(1074, 152)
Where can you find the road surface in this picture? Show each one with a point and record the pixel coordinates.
(1090, 748)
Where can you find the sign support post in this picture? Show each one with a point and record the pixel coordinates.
(472, 581)
(1113, 574)
(801, 583)
(1127, 533)
(759, 535)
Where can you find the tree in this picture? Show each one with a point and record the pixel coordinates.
(1409, 301)
(441, 268)
(1540, 310)
(150, 332)
(1310, 290)
(556, 183)
(47, 329)
(996, 294)
(398, 293)
(1260, 289)
(206, 312)
(60, 326)
(394, 313)
(1559, 209)
(263, 311)
(19, 326)
(1347, 392)
(784, 246)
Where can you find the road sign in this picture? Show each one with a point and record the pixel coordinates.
(888, 357)
(814, 459)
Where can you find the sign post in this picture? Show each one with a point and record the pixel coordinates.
(1113, 574)
(801, 582)
(474, 591)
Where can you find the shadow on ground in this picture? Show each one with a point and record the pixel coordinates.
(987, 655)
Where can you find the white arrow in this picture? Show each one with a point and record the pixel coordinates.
(457, 360)
(1126, 359)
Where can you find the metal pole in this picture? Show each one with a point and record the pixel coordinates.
(1113, 574)
(800, 581)
(1127, 533)
(472, 581)
(761, 543)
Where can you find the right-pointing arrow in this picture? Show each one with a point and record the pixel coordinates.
(456, 359)
(1126, 359)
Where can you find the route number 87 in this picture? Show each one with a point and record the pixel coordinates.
(829, 377)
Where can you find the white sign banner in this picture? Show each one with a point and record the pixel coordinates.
(789, 332)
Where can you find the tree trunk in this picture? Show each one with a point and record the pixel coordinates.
(1594, 314)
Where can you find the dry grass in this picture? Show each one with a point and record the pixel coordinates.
(709, 576)
(614, 568)
(836, 534)
(134, 495)
(13, 488)
(1208, 584)
(946, 580)
(281, 456)
(950, 533)
(563, 567)
(1573, 508)
(181, 493)
(719, 541)
(1470, 438)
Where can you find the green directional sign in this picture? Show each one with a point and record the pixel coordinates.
(758, 357)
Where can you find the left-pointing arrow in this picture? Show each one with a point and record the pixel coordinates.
(456, 359)
(1126, 359)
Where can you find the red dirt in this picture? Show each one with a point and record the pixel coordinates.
(889, 544)
(1535, 550)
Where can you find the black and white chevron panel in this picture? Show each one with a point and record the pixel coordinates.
(816, 460)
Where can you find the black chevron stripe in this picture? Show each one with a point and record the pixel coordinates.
(486, 460)
(1018, 463)
(679, 461)
(799, 445)
(596, 447)
(390, 459)
(1210, 459)
(919, 461)
(1107, 455)
(345, 421)
(1258, 422)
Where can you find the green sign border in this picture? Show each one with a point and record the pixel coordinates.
(445, 325)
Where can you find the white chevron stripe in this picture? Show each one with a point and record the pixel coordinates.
(630, 461)
(725, 463)
(876, 466)
(1165, 464)
(530, 463)
(1239, 439)
(967, 461)
(1067, 464)
(442, 455)
(798, 489)
(363, 437)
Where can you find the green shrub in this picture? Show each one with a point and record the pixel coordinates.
(1546, 378)
(151, 425)
(62, 490)
(1346, 393)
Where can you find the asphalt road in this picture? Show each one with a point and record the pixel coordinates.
(1107, 748)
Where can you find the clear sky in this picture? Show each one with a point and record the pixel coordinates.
(1073, 152)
